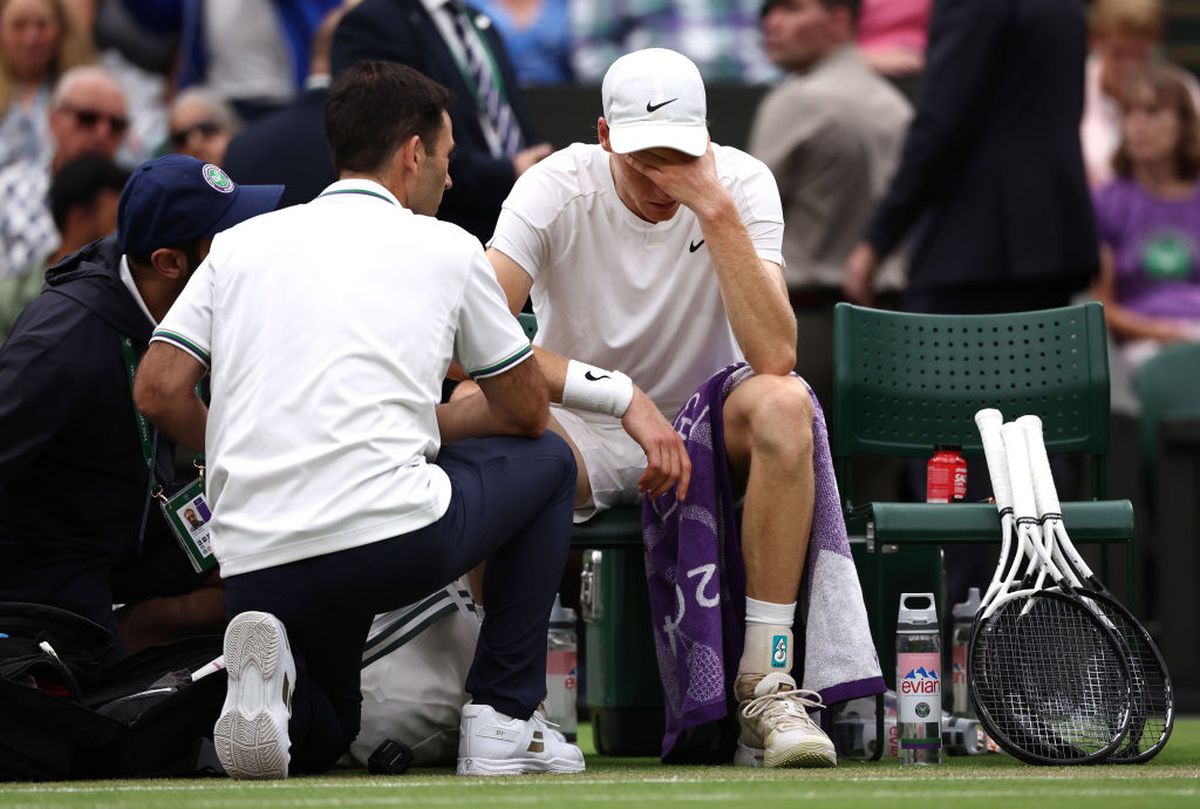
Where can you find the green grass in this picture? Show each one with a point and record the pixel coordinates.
(1171, 780)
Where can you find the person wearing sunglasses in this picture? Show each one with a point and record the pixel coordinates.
(88, 115)
(201, 125)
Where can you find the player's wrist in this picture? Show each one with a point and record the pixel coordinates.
(714, 206)
(598, 390)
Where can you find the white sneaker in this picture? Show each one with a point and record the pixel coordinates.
(777, 730)
(490, 743)
(251, 735)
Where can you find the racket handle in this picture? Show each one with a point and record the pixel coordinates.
(1024, 504)
(1044, 491)
(989, 421)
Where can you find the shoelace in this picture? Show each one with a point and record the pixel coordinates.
(784, 707)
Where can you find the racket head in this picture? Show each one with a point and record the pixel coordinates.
(1049, 681)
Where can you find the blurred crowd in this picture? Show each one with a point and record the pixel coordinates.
(967, 197)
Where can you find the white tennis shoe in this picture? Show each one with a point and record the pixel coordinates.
(777, 730)
(251, 735)
(491, 743)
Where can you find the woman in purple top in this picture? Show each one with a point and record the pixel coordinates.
(1149, 220)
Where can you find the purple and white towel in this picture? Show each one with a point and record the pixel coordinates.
(697, 581)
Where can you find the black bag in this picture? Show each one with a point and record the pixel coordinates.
(65, 713)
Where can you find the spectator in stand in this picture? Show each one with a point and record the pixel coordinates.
(1149, 220)
(289, 146)
(83, 202)
(87, 116)
(831, 134)
(39, 41)
(202, 125)
(991, 178)
(451, 43)
(892, 35)
(537, 34)
(721, 36)
(254, 55)
(1125, 36)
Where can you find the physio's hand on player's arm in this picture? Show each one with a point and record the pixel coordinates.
(667, 462)
(523, 160)
(690, 181)
(860, 270)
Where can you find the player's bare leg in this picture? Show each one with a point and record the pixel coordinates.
(768, 438)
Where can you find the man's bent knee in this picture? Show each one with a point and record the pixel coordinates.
(779, 415)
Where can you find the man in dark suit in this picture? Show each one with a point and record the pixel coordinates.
(458, 47)
(288, 147)
(991, 180)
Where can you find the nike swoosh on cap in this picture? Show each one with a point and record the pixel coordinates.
(652, 107)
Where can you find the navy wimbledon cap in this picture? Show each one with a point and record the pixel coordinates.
(176, 199)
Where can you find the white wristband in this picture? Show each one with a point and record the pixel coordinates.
(590, 388)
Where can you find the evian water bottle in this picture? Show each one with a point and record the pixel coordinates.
(919, 680)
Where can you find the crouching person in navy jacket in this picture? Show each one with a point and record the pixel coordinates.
(339, 487)
(78, 528)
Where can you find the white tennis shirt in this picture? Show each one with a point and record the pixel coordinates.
(616, 291)
(328, 329)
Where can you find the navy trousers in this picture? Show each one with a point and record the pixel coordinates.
(511, 506)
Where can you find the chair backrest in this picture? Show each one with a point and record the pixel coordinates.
(1167, 384)
(905, 382)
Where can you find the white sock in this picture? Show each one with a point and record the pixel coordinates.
(764, 612)
(768, 644)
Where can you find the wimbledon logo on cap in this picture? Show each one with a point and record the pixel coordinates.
(218, 179)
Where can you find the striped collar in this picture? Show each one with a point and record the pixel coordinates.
(368, 188)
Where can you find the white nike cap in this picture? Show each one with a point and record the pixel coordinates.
(654, 98)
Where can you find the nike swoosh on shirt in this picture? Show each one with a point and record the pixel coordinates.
(694, 246)
(652, 107)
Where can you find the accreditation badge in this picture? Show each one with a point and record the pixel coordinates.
(188, 515)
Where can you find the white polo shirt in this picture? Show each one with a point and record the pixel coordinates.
(614, 290)
(328, 328)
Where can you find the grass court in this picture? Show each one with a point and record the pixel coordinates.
(1171, 780)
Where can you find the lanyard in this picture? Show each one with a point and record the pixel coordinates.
(147, 437)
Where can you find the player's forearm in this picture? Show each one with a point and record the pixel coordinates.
(183, 418)
(754, 297)
(554, 368)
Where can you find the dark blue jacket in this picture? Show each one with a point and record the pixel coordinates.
(991, 182)
(402, 31)
(72, 474)
(286, 147)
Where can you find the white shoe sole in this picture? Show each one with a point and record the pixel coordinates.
(811, 753)
(517, 766)
(251, 735)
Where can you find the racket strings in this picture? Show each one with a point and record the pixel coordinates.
(1050, 680)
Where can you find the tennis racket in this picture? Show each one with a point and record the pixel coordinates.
(1153, 701)
(1049, 680)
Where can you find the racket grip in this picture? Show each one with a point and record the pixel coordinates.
(1044, 492)
(989, 421)
(1024, 504)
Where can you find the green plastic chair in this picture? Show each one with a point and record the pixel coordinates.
(1167, 385)
(906, 382)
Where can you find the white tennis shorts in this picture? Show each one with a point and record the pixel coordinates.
(614, 461)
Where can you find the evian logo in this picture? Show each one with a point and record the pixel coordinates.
(920, 681)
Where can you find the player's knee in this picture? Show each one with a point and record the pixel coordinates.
(781, 420)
